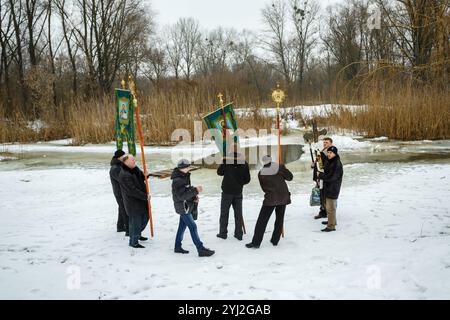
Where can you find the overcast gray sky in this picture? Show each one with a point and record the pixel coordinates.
(239, 14)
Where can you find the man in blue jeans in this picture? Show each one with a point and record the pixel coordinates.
(185, 199)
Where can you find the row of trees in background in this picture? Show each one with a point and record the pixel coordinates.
(55, 51)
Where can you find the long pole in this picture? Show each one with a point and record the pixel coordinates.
(279, 134)
(278, 98)
(279, 148)
(141, 142)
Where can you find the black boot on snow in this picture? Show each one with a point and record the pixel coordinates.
(205, 252)
(141, 238)
(138, 246)
(180, 250)
(251, 245)
(221, 236)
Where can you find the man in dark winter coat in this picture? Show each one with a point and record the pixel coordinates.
(134, 194)
(116, 165)
(185, 200)
(327, 142)
(236, 174)
(332, 180)
(272, 178)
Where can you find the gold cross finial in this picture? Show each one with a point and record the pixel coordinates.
(220, 95)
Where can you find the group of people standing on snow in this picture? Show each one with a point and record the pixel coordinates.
(129, 189)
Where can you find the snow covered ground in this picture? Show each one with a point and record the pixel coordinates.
(393, 238)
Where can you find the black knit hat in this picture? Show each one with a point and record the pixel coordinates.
(118, 154)
(333, 149)
(183, 163)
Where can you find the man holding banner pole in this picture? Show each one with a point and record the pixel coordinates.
(126, 103)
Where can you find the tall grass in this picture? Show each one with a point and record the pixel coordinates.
(403, 113)
(93, 121)
(395, 106)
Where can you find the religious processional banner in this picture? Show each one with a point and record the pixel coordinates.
(125, 120)
(215, 122)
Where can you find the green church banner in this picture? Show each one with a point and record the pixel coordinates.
(215, 122)
(125, 120)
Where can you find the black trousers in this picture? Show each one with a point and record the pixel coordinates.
(263, 219)
(122, 217)
(226, 202)
(323, 210)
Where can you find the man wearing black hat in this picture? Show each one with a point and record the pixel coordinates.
(236, 174)
(332, 180)
(272, 178)
(116, 164)
(185, 200)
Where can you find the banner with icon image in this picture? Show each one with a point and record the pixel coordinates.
(125, 120)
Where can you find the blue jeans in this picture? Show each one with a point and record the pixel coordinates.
(186, 220)
(137, 224)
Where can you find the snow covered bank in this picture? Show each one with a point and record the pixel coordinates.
(307, 112)
(392, 240)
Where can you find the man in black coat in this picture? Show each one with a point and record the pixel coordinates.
(134, 194)
(236, 174)
(185, 200)
(116, 164)
(327, 142)
(332, 180)
(272, 178)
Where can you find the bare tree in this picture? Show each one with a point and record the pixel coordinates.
(6, 33)
(173, 49)
(108, 33)
(213, 54)
(418, 27)
(342, 39)
(276, 39)
(190, 35)
(68, 32)
(304, 19)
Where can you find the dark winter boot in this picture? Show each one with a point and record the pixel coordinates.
(141, 238)
(239, 237)
(221, 236)
(205, 252)
(138, 246)
(274, 244)
(325, 222)
(321, 215)
(251, 245)
(328, 229)
(180, 250)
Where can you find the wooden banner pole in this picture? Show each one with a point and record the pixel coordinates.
(141, 142)
(278, 98)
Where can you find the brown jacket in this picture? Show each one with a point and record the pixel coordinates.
(272, 178)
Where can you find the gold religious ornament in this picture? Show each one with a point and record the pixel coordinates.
(278, 95)
(220, 96)
(123, 84)
(132, 86)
